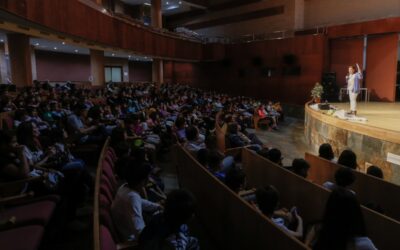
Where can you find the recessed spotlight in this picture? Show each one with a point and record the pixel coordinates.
(55, 48)
(148, 4)
(63, 43)
(76, 51)
(112, 54)
(37, 44)
(167, 3)
(1, 40)
(180, 2)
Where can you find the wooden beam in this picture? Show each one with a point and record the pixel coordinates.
(201, 4)
(238, 18)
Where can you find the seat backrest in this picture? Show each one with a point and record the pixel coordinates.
(112, 154)
(106, 220)
(106, 240)
(104, 190)
(106, 182)
(369, 189)
(310, 198)
(108, 171)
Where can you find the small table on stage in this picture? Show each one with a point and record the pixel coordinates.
(364, 92)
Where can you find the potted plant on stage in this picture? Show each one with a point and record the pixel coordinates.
(316, 93)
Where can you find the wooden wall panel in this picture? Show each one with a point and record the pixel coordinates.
(343, 53)
(364, 28)
(237, 73)
(62, 67)
(381, 69)
(77, 19)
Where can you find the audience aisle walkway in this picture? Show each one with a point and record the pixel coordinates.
(289, 139)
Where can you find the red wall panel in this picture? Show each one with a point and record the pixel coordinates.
(62, 67)
(182, 72)
(343, 53)
(237, 74)
(140, 71)
(382, 67)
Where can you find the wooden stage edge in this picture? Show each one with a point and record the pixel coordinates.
(383, 120)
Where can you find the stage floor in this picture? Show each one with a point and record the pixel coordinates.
(379, 114)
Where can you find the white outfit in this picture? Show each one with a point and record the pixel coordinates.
(127, 212)
(353, 89)
(352, 95)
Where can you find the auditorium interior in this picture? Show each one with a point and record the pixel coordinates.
(199, 124)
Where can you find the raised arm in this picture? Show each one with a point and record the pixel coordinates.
(359, 71)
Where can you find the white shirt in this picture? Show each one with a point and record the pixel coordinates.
(331, 186)
(350, 82)
(364, 243)
(127, 212)
(33, 157)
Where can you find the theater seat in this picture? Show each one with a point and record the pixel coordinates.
(22, 238)
(106, 240)
(35, 213)
(108, 243)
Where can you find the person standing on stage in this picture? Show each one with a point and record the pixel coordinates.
(353, 80)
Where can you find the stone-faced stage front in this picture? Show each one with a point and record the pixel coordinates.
(372, 140)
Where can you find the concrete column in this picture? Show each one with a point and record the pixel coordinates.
(20, 55)
(3, 64)
(158, 71)
(299, 14)
(156, 22)
(33, 62)
(97, 77)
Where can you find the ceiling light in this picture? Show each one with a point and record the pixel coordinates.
(55, 48)
(112, 54)
(167, 3)
(148, 4)
(180, 2)
(76, 51)
(37, 44)
(63, 43)
(1, 40)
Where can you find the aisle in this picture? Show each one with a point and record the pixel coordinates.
(289, 139)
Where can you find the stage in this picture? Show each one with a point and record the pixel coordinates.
(372, 140)
(379, 114)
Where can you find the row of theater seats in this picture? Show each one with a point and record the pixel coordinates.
(24, 221)
(219, 207)
(369, 189)
(104, 232)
